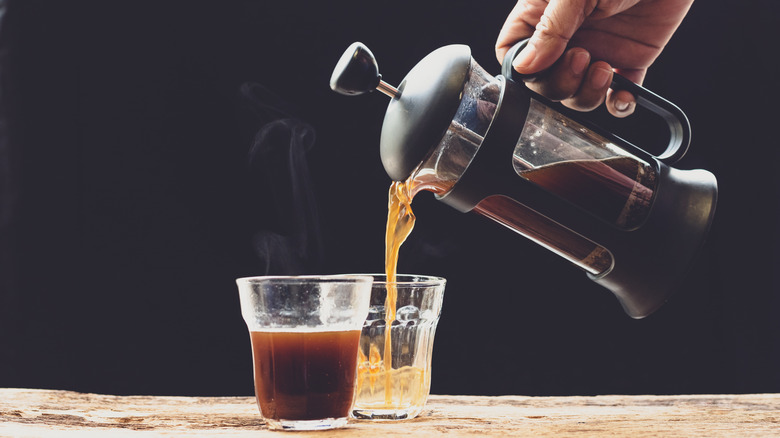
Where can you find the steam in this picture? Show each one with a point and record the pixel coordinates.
(289, 242)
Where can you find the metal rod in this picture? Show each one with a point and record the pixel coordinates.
(466, 133)
(387, 89)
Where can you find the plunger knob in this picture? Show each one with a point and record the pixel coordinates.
(358, 73)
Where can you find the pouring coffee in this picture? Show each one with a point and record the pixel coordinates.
(489, 144)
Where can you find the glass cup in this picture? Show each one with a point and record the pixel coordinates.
(305, 332)
(394, 375)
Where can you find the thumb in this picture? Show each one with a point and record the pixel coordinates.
(557, 24)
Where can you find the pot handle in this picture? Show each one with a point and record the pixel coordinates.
(675, 118)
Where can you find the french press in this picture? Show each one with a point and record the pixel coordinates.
(489, 144)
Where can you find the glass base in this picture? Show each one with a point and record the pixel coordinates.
(386, 414)
(323, 424)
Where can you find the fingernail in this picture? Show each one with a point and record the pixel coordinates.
(625, 107)
(599, 77)
(579, 62)
(525, 58)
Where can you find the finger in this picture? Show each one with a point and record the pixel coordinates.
(561, 18)
(519, 25)
(620, 103)
(564, 78)
(594, 88)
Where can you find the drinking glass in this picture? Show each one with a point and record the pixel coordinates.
(304, 333)
(394, 374)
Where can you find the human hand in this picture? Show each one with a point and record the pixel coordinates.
(581, 43)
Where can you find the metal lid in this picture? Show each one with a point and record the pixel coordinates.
(418, 117)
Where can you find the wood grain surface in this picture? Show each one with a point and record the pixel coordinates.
(49, 413)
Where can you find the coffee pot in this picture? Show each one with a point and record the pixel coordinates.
(489, 144)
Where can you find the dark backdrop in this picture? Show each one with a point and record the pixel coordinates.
(131, 201)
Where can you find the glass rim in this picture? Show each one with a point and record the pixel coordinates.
(299, 279)
(411, 279)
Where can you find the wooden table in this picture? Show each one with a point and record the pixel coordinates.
(43, 413)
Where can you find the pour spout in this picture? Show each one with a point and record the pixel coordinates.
(357, 73)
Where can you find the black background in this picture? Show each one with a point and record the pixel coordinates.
(129, 204)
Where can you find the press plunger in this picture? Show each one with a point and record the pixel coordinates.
(421, 107)
(358, 73)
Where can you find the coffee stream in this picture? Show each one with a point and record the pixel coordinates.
(400, 222)
(376, 370)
